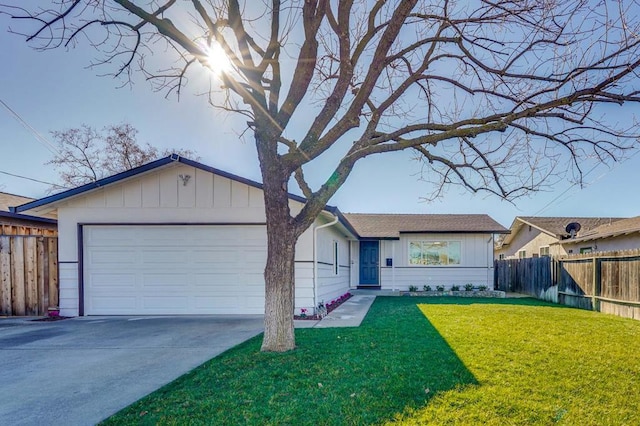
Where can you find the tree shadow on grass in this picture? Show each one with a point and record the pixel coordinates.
(394, 362)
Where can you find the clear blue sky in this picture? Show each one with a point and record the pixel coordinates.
(54, 90)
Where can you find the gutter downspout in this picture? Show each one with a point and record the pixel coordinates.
(315, 258)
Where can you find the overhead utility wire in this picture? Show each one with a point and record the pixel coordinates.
(34, 180)
(35, 133)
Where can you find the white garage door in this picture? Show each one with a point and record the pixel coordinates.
(155, 270)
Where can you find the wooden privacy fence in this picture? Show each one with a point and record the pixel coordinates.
(532, 276)
(603, 281)
(607, 282)
(28, 274)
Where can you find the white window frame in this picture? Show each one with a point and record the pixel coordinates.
(547, 254)
(522, 254)
(423, 241)
(336, 258)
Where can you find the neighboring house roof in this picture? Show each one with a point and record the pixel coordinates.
(392, 225)
(7, 201)
(556, 226)
(10, 200)
(609, 230)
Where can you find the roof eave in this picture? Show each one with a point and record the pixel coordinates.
(38, 219)
(95, 185)
(484, 231)
(546, 231)
(173, 158)
(599, 236)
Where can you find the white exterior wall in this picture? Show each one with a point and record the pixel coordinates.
(159, 197)
(530, 239)
(68, 288)
(330, 284)
(476, 263)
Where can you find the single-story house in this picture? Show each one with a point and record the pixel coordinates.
(20, 224)
(533, 236)
(622, 234)
(178, 237)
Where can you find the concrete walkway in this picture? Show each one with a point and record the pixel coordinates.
(349, 314)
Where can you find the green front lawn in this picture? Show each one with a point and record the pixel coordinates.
(425, 361)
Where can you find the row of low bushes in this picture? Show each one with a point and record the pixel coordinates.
(466, 287)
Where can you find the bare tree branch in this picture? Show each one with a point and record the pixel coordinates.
(497, 96)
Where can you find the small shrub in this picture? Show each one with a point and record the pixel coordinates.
(482, 288)
(413, 288)
(455, 288)
(440, 287)
(468, 287)
(427, 288)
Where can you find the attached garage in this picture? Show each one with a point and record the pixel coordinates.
(177, 237)
(173, 269)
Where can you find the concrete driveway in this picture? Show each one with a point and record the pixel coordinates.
(80, 371)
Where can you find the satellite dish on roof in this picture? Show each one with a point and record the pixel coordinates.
(573, 228)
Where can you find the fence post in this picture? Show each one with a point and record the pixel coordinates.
(597, 285)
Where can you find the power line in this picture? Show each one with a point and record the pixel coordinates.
(34, 180)
(35, 133)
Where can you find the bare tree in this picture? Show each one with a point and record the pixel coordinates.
(498, 96)
(86, 154)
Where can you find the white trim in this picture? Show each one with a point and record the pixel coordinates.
(336, 257)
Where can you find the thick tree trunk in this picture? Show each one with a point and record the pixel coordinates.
(279, 289)
(281, 241)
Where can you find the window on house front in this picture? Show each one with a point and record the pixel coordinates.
(586, 250)
(544, 251)
(501, 256)
(336, 266)
(522, 254)
(434, 252)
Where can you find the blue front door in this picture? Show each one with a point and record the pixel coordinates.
(369, 256)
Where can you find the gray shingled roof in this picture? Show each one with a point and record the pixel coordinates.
(392, 225)
(613, 229)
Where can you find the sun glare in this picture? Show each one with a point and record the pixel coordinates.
(217, 60)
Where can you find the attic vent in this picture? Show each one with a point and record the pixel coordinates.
(573, 228)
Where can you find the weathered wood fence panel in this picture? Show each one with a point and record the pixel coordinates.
(607, 282)
(575, 283)
(28, 274)
(532, 276)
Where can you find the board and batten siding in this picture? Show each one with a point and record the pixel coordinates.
(161, 197)
(476, 263)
